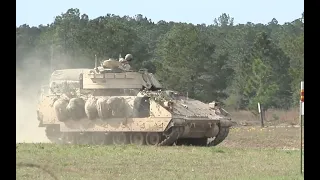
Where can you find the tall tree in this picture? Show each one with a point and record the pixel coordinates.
(238, 64)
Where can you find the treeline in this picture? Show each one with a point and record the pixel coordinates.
(239, 65)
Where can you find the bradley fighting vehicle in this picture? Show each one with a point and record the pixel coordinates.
(112, 104)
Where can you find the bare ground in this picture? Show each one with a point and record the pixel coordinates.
(273, 117)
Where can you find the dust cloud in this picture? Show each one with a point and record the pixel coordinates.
(29, 78)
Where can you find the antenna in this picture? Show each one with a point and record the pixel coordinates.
(95, 61)
(51, 57)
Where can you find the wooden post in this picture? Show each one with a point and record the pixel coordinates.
(301, 124)
(261, 114)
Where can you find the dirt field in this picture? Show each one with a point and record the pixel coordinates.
(272, 117)
(248, 153)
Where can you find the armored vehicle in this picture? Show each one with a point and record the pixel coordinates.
(112, 104)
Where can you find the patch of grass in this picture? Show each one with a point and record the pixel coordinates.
(142, 162)
(257, 137)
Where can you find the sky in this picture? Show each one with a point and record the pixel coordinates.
(36, 12)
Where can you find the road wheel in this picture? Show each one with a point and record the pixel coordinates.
(84, 138)
(53, 134)
(153, 138)
(119, 138)
(98, 138)
(69, 138)
(137, 138)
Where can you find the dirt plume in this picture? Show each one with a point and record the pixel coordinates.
(27, 129)
(31, 73)
(28, 83)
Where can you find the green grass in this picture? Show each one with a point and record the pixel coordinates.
(142, 162)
